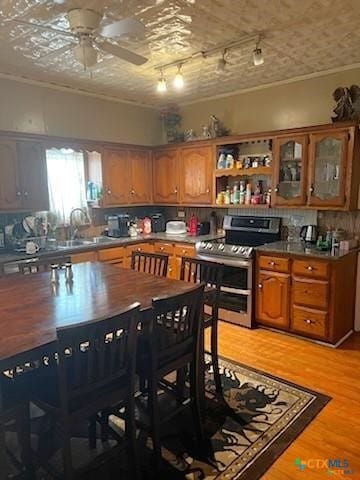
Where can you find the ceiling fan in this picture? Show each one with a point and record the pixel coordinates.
(86, 29)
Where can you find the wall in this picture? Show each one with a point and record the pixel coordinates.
(37, 109)
(296, 104)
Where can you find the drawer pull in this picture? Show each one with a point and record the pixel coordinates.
(272, 263)
(162, 249)
(260, 285)
(308, 321)
(310, 268)
(184, 251)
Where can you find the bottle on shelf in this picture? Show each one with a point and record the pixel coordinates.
(236, 196)
(227, 196)
(248, 194)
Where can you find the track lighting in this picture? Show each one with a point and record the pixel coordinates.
(161, 85)
(179, 79)
(221, 63)
(258, 58)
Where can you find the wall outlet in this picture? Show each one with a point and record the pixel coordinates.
(181, 214)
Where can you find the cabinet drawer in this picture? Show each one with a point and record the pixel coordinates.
(140, 247)
(111, 254)
(184, 250)
(313, 293)
(166, 248)
(311, 268)
(276, 264)
(308, 321)
(84, 257)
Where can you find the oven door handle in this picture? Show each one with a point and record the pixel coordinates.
(237, 291)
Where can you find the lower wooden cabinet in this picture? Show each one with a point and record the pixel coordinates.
(273, 299)
(84, 257)
(315, 299)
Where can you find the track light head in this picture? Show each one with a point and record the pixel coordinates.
(179, 79)
(161, 85)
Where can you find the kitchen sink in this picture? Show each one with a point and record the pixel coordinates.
(82, 242)
(69, 243)
(95, 240)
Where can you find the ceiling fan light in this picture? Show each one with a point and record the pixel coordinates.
(179, 81)
(258, 58)
(161, 85)
(85, 54)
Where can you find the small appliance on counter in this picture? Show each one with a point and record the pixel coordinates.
(193, 225)
(176, 227)
(2, 238)
(204, 228)
(309, 233)
(158, 223)
(118, 225)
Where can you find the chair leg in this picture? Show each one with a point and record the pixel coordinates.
(196, 404)
(3, 455)
(66, 454)
(215, 357)
(180, 383)
(92, 432)
(154, 419)
(24, 436)
(130, 429)
(104, 432)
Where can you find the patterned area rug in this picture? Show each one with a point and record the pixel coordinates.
(261, 416)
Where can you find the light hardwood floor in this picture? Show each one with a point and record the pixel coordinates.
(335, 432)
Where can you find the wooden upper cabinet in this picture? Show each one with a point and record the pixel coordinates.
(33, 175)
(328, 168)
(116, 176)
(166, 176)
(141, 176)
(10, 194)
(196, 175)
(272, 300)
(290, 155)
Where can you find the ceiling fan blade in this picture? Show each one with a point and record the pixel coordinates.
(126, 27)
(42, 27)
(122, 53)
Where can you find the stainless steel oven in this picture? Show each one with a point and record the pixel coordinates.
(235, 253)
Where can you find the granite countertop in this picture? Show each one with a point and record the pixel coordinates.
(9, 257)
(299, 248)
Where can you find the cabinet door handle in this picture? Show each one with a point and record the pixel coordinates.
(176, 190)
(311, 189)
(310, 268)
(26, 194)
(308, 321)
(208, 190)
(260, 285)
(18, 194)
(276, 189)
(132, 191)
(109, 192)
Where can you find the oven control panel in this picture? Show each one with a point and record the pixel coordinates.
(214, 248)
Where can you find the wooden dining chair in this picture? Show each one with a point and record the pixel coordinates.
(173, 343)
(156, 264)
(195, 271)
(95, 370)
(39, 264)
(15, 417)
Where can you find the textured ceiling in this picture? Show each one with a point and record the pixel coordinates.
(301, 37)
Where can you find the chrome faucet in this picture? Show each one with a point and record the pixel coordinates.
(74, 231)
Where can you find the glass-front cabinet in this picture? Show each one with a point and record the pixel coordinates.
(290, 170)
(327, 168)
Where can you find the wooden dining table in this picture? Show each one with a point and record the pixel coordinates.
(32, 308)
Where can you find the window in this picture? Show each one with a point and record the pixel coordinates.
(66, 182)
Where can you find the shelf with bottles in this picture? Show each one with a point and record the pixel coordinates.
(243, 172)
(246, 156)
(230, 192)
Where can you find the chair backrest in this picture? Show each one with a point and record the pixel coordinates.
(156, 264)
(176, 324)
(39, 264)
(93, 355)
(194, 270)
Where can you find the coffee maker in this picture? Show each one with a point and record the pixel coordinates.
(118, 225)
